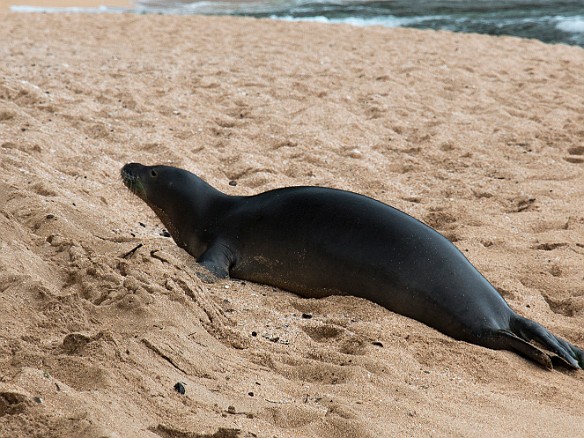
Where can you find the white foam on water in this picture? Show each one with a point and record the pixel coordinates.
(386, 21)
(218, 7)
(571, 25)
(227, 7)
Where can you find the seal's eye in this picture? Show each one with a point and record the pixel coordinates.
(153, 173)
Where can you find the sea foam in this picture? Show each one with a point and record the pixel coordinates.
(571, 25)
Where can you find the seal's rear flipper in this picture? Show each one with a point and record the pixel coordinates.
(524, 330)
(509, 341)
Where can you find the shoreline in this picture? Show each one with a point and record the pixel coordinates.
(567, 29)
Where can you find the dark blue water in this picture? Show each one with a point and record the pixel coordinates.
(546, 20)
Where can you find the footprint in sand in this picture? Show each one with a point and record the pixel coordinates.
(440, 220)
(550, 246)
(570, 306)
(323, 333)
(576, 155)
(13, 402)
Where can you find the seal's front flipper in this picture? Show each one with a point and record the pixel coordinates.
(205, 275)
(217, 259)
(528, 330)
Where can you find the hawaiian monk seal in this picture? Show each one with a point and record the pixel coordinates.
(318, 241)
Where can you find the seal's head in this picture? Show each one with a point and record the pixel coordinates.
(170, 192)
(154, 184)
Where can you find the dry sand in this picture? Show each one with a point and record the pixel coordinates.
(480, 137)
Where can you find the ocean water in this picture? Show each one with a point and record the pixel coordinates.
(547, 20)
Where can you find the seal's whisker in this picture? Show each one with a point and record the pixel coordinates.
(129, 180)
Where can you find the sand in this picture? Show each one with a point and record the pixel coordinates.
(5, 5)
(480, 137)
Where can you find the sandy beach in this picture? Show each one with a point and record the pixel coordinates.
(480, 137)
(6, 4)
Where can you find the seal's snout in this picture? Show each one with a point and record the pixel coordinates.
(129, 174)
(131, 169)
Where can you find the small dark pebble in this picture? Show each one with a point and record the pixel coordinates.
(307, 315)
(142, 224)
(233, 183)
(165, 233)
(250, 393)
(37, 399)
(50, 216)
(231, 409)
(377, 344)
(180, 387)
(254, 334)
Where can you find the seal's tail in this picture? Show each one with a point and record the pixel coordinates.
(524, 330)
